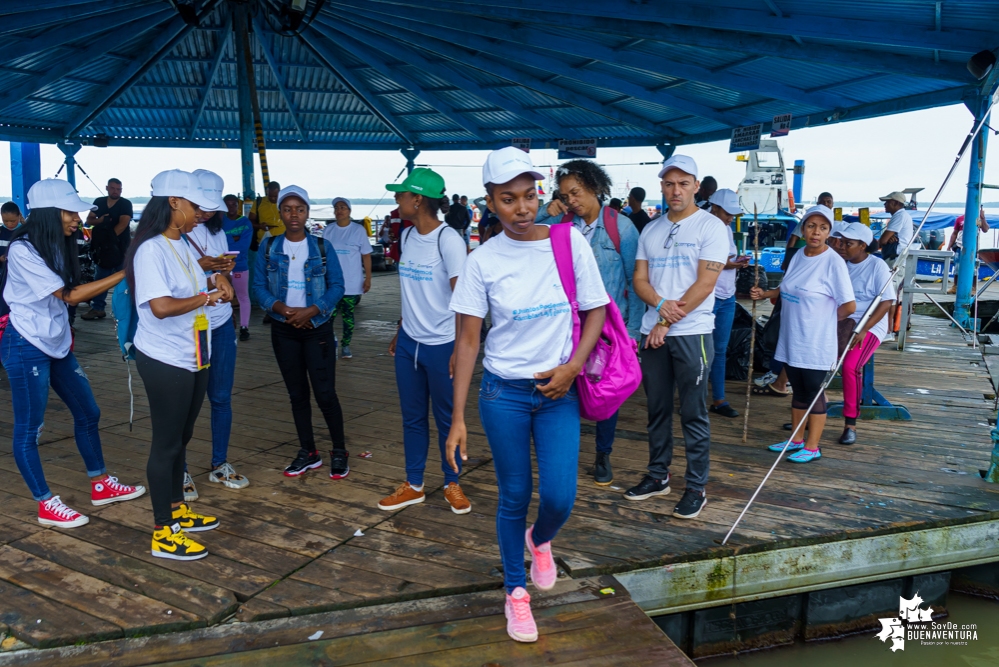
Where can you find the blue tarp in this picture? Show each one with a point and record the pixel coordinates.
(935, 221)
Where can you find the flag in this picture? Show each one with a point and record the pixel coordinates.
(541, 189)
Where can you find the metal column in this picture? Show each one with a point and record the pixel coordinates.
(969, 241)
(410, 155)
(246, 136)
(70, 150)
(25, 171)
(798, 184)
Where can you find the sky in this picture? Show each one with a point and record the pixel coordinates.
(856, 161)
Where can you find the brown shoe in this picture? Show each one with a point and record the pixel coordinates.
(94, 315)
(455, 496)
(404, 496)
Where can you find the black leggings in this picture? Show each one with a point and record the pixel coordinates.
(175, 398)
(806, 383)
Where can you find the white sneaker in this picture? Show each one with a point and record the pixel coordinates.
(190, 491)
(226, 474)
(767, 378)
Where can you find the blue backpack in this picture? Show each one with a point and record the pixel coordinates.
(126, 320)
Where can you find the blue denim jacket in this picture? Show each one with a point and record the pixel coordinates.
(616, 270)
(323, 285)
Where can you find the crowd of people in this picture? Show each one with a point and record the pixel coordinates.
(194, 255)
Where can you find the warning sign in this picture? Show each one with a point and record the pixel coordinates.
(781, 125)
(523, 143)
(745, 138)
(573, 148)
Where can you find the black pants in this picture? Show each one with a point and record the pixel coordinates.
(175, 398)
(304, 356)
(806, 383)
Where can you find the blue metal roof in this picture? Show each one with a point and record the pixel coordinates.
(453, 74)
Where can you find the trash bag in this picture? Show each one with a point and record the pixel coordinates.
(745, 277)
(737, 354)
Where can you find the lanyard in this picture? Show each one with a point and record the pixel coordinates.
(185, 266)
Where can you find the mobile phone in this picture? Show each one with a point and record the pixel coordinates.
(229, 253)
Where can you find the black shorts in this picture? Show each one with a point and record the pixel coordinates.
(806, 383)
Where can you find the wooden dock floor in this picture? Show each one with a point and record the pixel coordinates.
(289, 547)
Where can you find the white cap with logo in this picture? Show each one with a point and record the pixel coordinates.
(506, 164)
(57, 193)
(856, 231)
(684, 163)
(293, 191)
(212, 185)
(179, 183)
(819, 209)
(728, 201)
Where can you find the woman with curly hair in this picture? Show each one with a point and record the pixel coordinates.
(583, 188)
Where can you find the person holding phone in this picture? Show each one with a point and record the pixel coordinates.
(239, 235)
(211, 247)
(173, 348)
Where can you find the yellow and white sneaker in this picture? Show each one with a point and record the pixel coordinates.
(192, 522)
(171, 542)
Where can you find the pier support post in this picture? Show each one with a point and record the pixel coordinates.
(246, 133)
(798, 183)
(25, 171)
(969, 241)
(410, 155)
(70, 150)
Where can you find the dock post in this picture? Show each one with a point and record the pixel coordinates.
(980, 106)
(798, 184)
(70, 150)
(25, 171)
(410, 155)
(246, 132)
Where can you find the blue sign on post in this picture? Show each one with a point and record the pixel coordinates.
(25, 171)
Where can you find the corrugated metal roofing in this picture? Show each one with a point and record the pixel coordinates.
(475, 73)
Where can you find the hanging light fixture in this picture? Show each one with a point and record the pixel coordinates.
(981, 64)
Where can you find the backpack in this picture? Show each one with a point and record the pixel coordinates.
(610, 224)
(611, 374)
(104, 247)
(402, 242)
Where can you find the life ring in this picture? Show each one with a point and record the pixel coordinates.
(790, 202)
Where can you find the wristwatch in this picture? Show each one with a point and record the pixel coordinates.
(663, 322)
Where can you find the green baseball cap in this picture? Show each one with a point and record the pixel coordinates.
(421, 181)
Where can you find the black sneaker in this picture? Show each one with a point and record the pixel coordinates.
(338, 463)
(603, 474)
(244, 333)
(303, 462)
(691, 504)
(724, 410)
(268, 319)
(648, 487)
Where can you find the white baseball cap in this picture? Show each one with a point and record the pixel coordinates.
(212, 185)
(293, 191)
(344, 200)
(684, 163)
(57, 193)
(819, 209)
(894, 196)
(506, 164)
(179, 183)
(856, 231)
(728, 200)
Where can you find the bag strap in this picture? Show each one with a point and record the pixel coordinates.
(192, 242)
(610, 224)
(409, 230)
(561, 240)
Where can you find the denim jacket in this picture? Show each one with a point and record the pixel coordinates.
(616, 270)
(323, 284)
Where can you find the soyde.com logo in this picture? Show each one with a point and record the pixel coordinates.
(916, 624)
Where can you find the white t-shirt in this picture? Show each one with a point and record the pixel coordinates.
(901, 224)
(725, 287)
(350, 243)
(868, 277)
(297, 253)
(812, 289)
(673, 270)
(425, 270)
(212, 245)
(517, 283)
(37, 315)
(162, 271)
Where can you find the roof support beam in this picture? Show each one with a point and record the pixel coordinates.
(314, 40)
(206, 90)
(469, 39)
(71, 62)
(272, 63)
(365, 54)
(449, 73)
(37, 17)
(164, 42)
(444, 47)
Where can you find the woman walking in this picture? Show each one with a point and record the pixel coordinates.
(433, 254)
(816, 294)
(868, 274)
(210, 246)
(173, 348)
(42, 277)
(353, 249)
(239, 234)
(528, 385)
(299, 288)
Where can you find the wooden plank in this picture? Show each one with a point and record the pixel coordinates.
(43, 623)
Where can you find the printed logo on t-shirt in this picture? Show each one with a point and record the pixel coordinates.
(670, 262)
(543, 310)
(790, 298)
(342, 251)
(296, 284)
(417, 272)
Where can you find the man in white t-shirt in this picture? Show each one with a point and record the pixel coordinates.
(680, 256)
(353, 249)
(899, 229)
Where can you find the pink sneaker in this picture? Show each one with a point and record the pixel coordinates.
(53, 512)
(109, 490)
(519, 619)
(543, 570)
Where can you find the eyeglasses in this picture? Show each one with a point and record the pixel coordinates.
(672, 233)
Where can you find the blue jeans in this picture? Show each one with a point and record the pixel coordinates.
(100, 301)
(605, 434)
(724, 314)
(220, 377)
(421, 373)
(512, 411)
(31, 372)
